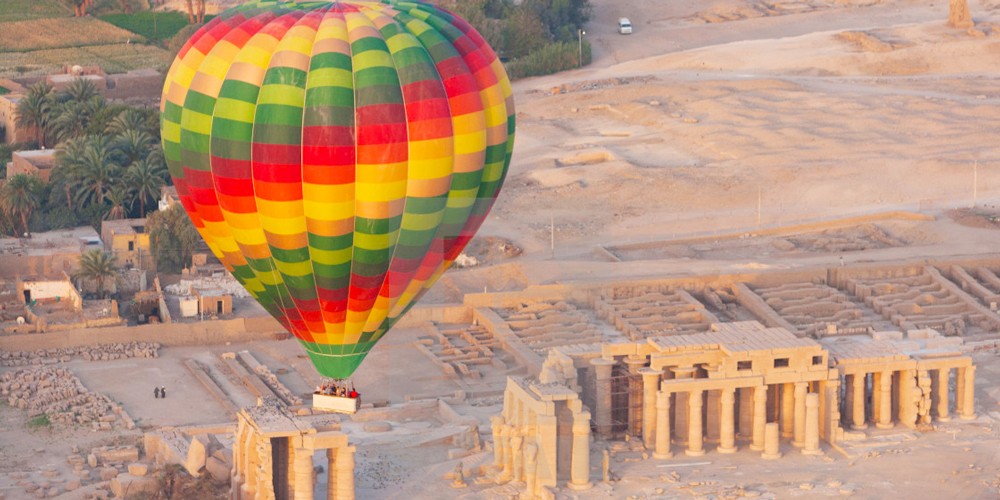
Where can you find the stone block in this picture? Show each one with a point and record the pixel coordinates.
(133, 485)
(108, 473)
(196, 455)
(377, 427)
(92, 460)
(73, 484)
(138, 469)
(217, 468)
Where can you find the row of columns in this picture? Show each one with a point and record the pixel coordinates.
(921, 396)
(340, 473)
(806, 418)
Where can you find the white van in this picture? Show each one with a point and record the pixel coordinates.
(624, 26)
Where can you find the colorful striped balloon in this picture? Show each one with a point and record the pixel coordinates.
(337, 157)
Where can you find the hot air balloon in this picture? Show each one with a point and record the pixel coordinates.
(337, 157)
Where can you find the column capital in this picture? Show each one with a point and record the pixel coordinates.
(683, 371)
(635, 361)
(650, 372)
(602, 362)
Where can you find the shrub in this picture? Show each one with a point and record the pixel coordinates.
(549, 59)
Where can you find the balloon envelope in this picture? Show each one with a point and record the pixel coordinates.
(337, 157)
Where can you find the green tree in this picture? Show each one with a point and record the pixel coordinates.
(97, 265)
(133, 144)
(144, 179)
(79, 90)
(35, 110)
(19, 197)
(98, 171)
(116, 196)
(523, 33)
(172, 239)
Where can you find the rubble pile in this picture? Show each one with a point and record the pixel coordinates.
(272, 381)
(101, 352)
(60, 396)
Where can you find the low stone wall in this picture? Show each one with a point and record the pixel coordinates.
(172, 334)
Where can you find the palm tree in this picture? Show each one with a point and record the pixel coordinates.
(68, 167)
(144, 179)
(99, 171)
(97, 265)
(116, 196)
(20, 196)
(74, 118)
(134, 145)
(36, 110)
(129, 119)
(79, 90)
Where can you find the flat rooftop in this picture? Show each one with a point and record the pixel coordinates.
(125, 226)
(742, 336)
(57, 242)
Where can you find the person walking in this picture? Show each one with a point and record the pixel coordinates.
(163, 392)
(156, 392)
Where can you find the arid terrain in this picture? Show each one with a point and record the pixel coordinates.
(721, 137)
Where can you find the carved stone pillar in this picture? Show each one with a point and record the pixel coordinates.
(344, 471)
(650, 385)
(662, 426)
(303, 474)
(497, 423)
(811, 446)
(531, 469)
(602, 396)
(696, 447)
(579, 478)
(884, 401)
(940, 391)
(759, 417)
(772, 445)
(331, 478)
(727, 421)
(798, 439)
(968, 394)
(858, 405)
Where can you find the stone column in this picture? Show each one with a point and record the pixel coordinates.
(331, 478)
(662, 426)
(798, 439)
(811, 442)
(602, 396)
(787, 409)
(907, 405)
(681, 410)
(696, 446)
(579, 478)
(635, 394)
(940, 391)
(772, 445)
(343, 467)
(968, 395)
(727, 424)
(303, 474)
(858, 405)
(496, 423)
(759, 417)
(884, 401)
(650, 384)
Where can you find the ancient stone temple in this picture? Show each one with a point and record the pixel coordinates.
(542, 437)
(738, 385)
(273, 457)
